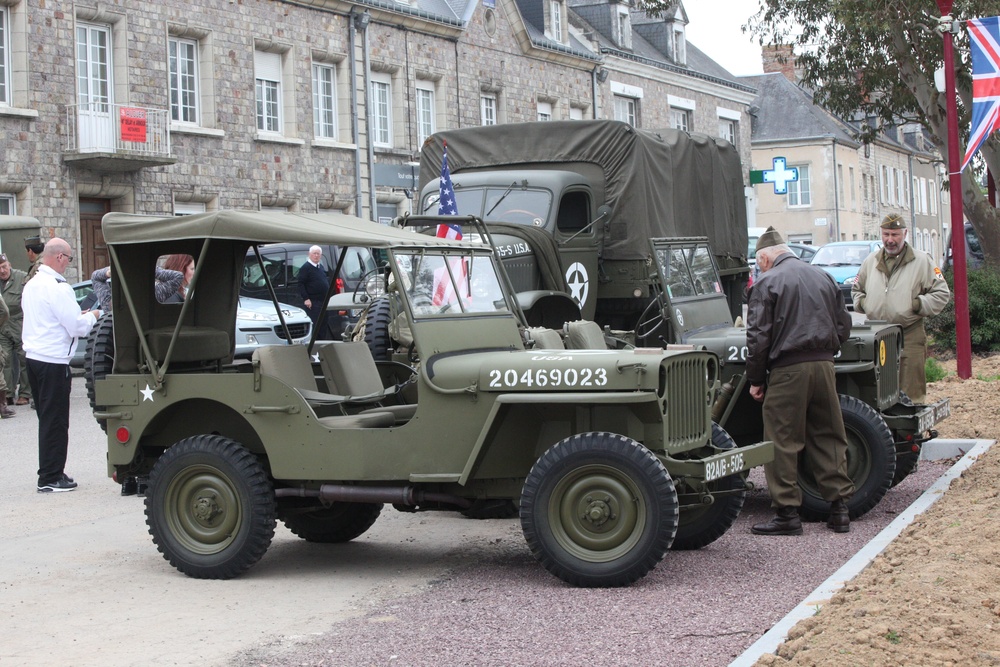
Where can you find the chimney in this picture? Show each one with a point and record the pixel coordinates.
(780, 58)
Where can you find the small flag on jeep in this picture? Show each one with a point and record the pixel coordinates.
(446, 202)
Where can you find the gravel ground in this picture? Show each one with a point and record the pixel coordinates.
(696, 608)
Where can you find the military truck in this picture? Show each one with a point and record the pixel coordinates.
(612, 455)
(573, 206)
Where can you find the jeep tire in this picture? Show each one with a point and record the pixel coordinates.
(871, 463)
(703, 525)
(598, 509)
(210, 507)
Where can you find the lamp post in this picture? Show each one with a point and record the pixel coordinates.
(963, 339)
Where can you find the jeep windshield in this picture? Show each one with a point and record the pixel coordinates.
(495, 204)
(687, 271)
(450, 283)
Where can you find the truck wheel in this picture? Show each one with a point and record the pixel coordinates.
(210, 507)
(703, 525)
(377, 329)
(99, 359)
(598, 509)
(340, 522)
(491, 509)
(871, 463)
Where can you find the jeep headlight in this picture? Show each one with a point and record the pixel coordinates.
(254, 316)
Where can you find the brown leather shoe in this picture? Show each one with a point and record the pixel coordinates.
(785, 522)
(21, 400)
(840, 520)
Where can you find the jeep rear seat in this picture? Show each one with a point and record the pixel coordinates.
(291, 365)
(194, 344)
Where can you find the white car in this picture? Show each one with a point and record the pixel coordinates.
(258, 324)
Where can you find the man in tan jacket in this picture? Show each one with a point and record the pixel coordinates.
(900, 284)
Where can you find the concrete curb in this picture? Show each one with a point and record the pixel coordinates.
(969, 450)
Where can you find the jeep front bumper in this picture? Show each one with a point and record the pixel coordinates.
(723, 464)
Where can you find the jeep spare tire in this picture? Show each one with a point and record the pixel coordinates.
(99, 359)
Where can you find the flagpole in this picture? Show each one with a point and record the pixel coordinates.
(963, 337)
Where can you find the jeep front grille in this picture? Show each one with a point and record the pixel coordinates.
(687, 382)
(887, 366)
(297, 331)
(523, 272)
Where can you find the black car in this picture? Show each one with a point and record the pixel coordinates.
(974, 257)
(282, 262)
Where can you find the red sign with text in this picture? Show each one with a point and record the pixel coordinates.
(133, 124)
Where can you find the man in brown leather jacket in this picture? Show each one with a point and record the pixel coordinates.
(796, 323)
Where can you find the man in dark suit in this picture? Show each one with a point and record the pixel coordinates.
(313, 286)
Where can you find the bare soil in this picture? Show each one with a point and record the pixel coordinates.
(933, 597)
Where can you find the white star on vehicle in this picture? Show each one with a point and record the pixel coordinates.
(147, 394)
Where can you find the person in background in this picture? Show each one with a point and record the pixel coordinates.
(33, 247)
(53, 324)
(167, 287)
(313, 286)
(900, 284)
(796, 323)
(5, 411)
(15, 372)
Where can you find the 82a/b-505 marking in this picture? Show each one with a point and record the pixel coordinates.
(548, 377)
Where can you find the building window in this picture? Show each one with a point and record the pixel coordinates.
(5, 34)
(798, 191)
(544, 110)
(425, 111)
(8, 204)
(680, 119)
(728, 130)
(575, 113)
(324, 101)
(886, 186)
(625, 109)
(556, 18)
(188, 207)
(183, 56)
(381, 110)
(488, 105)
(624, 27)
(679, 45)
(267, 70)
(840, 186)
(854, 190)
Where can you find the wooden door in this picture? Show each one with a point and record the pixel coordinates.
(93, 252)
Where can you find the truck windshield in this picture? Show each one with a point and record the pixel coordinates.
(494, 204)
(450, 283)
(688, 271)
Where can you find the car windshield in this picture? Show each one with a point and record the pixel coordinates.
(840, 255)
(688, 271)
(516, 205)
(450, 283)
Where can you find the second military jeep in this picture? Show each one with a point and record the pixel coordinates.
(612, 455)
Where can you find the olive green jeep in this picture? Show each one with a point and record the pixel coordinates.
(612, 455)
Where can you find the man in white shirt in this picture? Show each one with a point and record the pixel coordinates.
(53, 323)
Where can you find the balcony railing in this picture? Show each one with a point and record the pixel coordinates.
(115, 137)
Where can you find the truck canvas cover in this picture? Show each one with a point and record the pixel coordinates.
(657, 182)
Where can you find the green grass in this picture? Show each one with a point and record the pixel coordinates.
(934, 370)
(893, 637)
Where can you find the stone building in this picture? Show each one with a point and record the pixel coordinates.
(313, 105)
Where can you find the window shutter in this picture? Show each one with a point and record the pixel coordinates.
(267, 66)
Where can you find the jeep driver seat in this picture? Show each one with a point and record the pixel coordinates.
(349, 369)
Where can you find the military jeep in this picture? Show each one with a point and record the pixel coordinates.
(611, 454)
(885, 430)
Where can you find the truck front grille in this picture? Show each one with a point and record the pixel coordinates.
(523, 273)
(888, 343)
(687, 382)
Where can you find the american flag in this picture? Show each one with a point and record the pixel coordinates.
(984, 41)
(446, 202)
